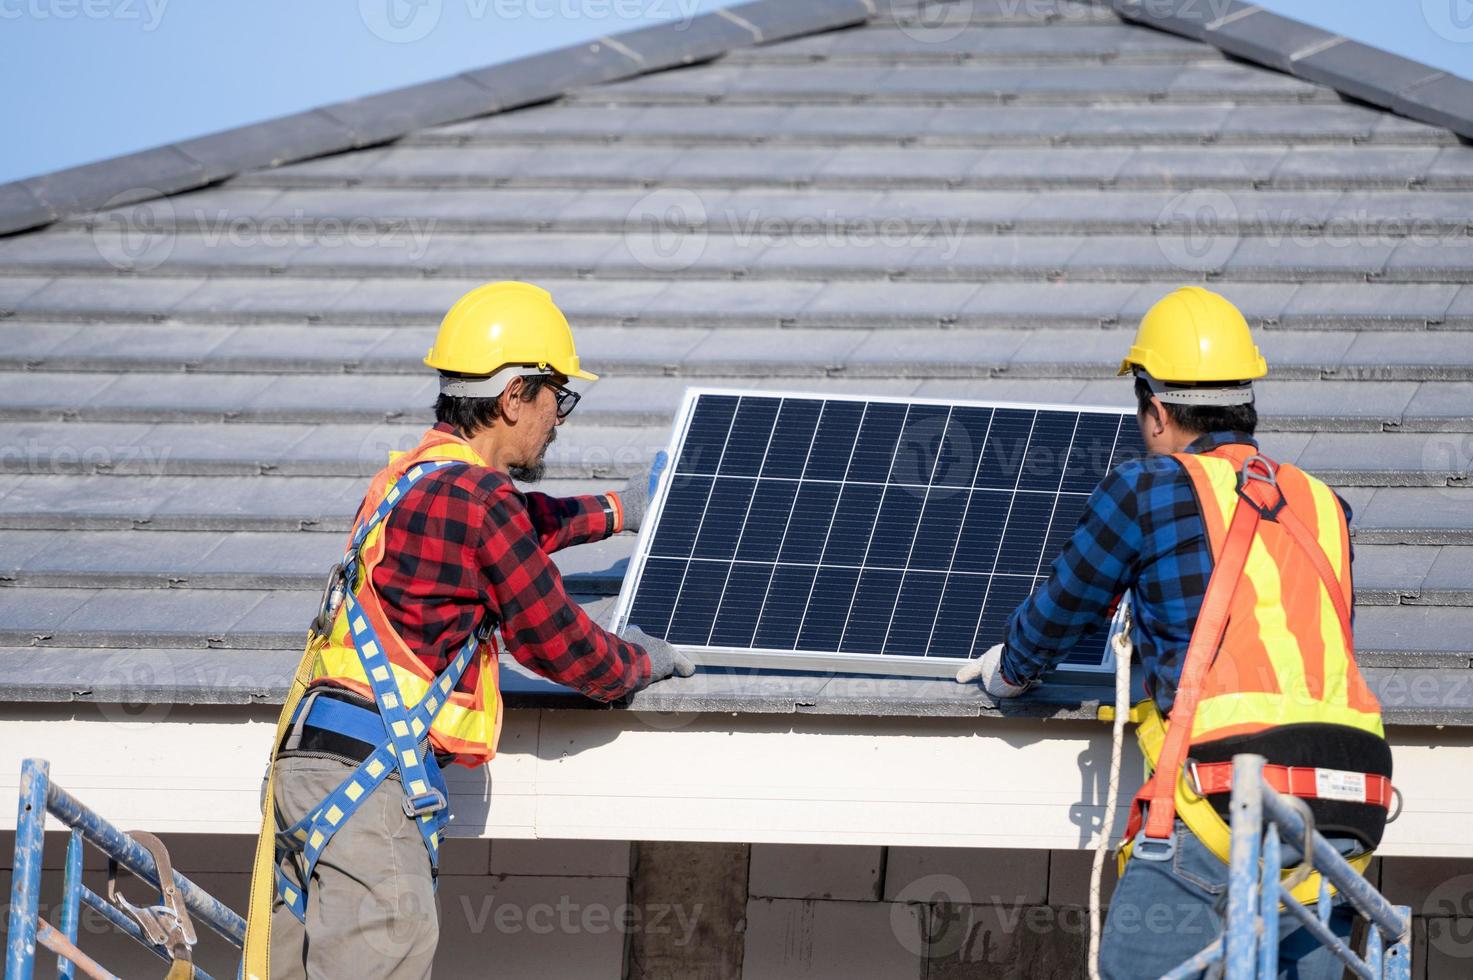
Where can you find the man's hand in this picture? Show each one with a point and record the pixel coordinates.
(988, 669)
(635, 497)
(665, 660)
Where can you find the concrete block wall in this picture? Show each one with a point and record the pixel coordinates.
(616, 910)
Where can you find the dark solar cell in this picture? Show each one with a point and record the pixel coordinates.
(866, 528)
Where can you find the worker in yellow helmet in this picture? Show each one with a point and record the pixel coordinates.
(1238, 572)
(400, 676)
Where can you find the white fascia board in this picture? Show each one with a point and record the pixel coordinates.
(625, 775)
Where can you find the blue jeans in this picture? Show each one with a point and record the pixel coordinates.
(1165, 912)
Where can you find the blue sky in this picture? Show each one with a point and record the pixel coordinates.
(106, 77)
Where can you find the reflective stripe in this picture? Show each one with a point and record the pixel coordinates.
(1273, 710)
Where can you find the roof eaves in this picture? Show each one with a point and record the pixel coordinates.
(1356, 70)
(374, 119)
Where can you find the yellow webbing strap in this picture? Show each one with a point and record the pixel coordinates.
(1198, 813)
(256, 954)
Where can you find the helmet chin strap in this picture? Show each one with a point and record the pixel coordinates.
(1227, 393)
(492, 386)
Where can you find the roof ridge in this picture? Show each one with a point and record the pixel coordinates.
(1360, 71)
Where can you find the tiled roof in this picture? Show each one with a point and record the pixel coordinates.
(196, 388)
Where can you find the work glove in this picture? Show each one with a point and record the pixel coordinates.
(664, 658)
(635, 497)
(988, 669)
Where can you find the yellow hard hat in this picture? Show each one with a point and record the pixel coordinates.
(501, 324)
(1191, 335)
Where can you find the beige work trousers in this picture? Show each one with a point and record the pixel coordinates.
(371, 902)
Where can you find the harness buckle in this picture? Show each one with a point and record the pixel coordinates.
(428, 802)
(332, 600)
(1260, 468)
(1193, 778)
(1151, 849)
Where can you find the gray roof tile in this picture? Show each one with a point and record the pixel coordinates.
(133, 298)
(1056, 174)
(1417, 515)
(1451, 572)
(1443, 101)
(1264, 37)
(1452, 402)
(14, 291)
(1299, 261)
(1374, 165)
(18, 548)
(267, 144)
(33, 613)
(1361, 71)
(1453, 167)
(388, 115)
(1334, 305)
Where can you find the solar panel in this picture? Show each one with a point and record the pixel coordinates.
(852, 533)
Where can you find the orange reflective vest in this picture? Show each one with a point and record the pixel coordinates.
(469, 724)
(1288, 658)
(1284, 655)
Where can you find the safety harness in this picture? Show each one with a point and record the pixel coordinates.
(396, 728)
(1176, 782)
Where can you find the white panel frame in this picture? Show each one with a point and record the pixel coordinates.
(805, 660)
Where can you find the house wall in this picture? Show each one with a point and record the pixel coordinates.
(962, 853)
(616, 910)
(764, 778)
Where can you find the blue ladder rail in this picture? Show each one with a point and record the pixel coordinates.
(40, 796)
(1248, 948)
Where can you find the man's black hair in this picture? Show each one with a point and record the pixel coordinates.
(1200, 419)
(471, 415)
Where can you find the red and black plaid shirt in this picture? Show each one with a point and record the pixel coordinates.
(466, 546)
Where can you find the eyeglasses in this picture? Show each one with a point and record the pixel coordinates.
(567, 398)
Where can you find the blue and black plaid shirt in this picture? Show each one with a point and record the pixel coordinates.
(1142, 532)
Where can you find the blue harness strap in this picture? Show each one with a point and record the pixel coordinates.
(397, 729)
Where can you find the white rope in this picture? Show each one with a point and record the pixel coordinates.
(1121, 646)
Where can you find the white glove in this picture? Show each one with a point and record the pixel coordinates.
(988, 669)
